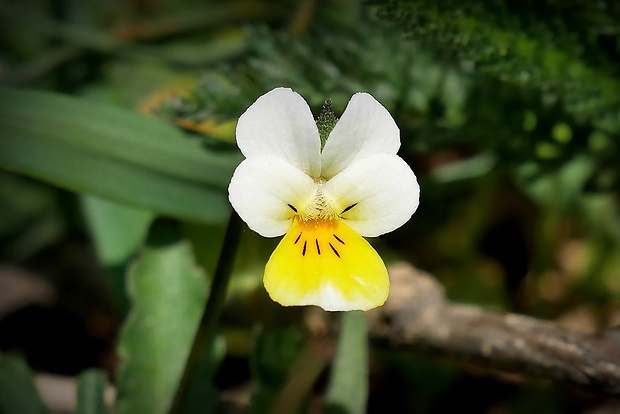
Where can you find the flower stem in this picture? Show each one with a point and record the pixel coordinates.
(348, 387)
(205, 335)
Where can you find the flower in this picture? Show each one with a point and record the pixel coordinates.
(323, 199)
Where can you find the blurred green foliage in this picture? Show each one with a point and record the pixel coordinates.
(509, 115)
(157, 173)
(348, 387)
(168, 292)
(567, 50)
(17, 390)
(273, 357)
(91, 392)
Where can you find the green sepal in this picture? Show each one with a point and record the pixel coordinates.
(326, 122)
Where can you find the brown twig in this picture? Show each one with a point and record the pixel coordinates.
(417, 315)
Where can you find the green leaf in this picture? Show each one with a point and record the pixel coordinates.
(17, 392)
(117, 230)
(114, 153)
(348, 387)
(90, 392)
(168, 292)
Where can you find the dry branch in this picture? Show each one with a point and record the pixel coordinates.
(417, 315)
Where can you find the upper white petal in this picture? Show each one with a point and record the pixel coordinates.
(365, 128)
(384, 190)
(261, 189)
(280, 124)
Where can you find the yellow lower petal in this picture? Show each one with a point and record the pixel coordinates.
(327, 264)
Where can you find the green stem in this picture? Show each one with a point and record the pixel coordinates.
(348, 387)
(205, 335)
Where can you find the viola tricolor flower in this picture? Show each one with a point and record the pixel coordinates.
(324, 198)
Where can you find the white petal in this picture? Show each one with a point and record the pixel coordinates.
(383, 189)
(280, 124)
(261, 190)
(365, 128)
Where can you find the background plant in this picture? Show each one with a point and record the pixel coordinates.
(117, 145)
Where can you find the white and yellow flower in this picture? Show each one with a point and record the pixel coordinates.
(322, 199)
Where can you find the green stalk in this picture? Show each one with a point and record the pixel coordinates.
(348, 387)
(205, 335)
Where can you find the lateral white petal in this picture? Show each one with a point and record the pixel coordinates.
(383, 189)
(280, 124)
(261, 190)
(365, 128)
